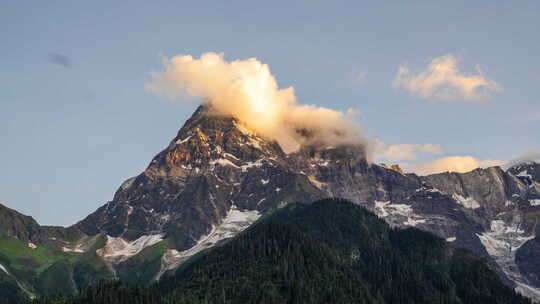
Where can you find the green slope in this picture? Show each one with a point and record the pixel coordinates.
(44, 269)
(49, 271)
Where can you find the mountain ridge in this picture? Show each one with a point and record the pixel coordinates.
(216, 178)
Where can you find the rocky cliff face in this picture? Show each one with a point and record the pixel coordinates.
(213, 165)
(504, 207)
(216, 178)
(16, 225)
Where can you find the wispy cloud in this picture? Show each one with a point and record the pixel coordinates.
(59, 59)
(450, 164)
(402, 151)
(409, 152)
(443, 80)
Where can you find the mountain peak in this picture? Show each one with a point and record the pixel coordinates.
(214, 164)
(208, 138)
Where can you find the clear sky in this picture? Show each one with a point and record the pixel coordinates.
(75, 119)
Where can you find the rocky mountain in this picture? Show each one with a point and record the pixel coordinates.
(216, 178)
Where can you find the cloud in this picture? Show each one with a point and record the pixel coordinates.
(377, 149)
(247, 90)
(525, 157)
(59, 59)
(458, 164)
(409, 152)
(443, 80)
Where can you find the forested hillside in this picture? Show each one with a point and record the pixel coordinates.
(331, 251)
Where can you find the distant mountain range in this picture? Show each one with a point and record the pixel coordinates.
(216, 178)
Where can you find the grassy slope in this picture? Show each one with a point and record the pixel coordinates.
(46, 270)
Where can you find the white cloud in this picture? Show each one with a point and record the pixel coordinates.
(458, 164)
(247, 90)
(443, 80)
(409, 152)
(377, 149)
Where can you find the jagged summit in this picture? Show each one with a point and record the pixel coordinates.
(213, 165)
(207, 138)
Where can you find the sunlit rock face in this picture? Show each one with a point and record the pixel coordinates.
(216, 168)
(213, 164)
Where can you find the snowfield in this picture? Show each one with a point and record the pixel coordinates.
(467, 202)
(118, 249)
(235, 222)
(501, 243)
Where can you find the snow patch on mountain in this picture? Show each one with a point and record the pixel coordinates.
(223, 162)
(380, 209)
(534, 202)
(467, 202)
(502, 242)
(255, 164)
(118, 249)
(426, 189)
(503, 239)
(4, 269)
(82, 245)
(413, 222)
(234, 222)
(524, 173)
(76, 249)
(398, 214)
(181, 141)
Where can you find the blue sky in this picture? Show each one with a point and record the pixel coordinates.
(75, 119)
